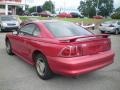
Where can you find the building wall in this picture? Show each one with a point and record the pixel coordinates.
(11, 0)
(10, 4)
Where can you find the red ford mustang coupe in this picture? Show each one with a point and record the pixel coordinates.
(60, 47)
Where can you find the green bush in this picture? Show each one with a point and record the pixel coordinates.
(115, 15)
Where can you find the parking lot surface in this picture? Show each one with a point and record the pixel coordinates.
(15, 74)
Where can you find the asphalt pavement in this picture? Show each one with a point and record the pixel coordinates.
(15, 74)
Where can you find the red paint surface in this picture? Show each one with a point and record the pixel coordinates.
(93, 53)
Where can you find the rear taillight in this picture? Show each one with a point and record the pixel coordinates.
(71, 51)
(108, 45)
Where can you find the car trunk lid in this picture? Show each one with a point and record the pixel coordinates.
(89, 45)
(94, 46)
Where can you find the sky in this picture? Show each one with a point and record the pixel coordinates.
(63, 3)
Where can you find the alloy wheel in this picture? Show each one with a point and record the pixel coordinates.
(116, 32)
(8, 47)
(40, 66)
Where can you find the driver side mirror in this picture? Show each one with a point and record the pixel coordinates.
(14, 32)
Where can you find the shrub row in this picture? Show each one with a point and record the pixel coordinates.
(115, 15)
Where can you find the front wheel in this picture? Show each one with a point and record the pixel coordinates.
(0, 29)
(116, 32)
(102, 32)
(42, 67)
(8, 47)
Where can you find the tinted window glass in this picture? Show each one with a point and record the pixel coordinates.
(7, 18)
(27, 29)
(66, 29)
(118, 23)
(36, 32)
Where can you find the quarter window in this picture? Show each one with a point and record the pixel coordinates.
(36, 32)
(27, 30)
(30, 29)
(118, 23)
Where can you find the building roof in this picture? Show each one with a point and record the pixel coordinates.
(11, 2)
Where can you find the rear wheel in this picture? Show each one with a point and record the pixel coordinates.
(42, 67)
(102, 32)
(0, 29)
(8, 47)
(116, 32)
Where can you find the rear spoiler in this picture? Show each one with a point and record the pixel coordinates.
(72, 39)
(103, 35)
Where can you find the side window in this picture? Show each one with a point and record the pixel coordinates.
(27, 29)
(36, 31)
(118, 23)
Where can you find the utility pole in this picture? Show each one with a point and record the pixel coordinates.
(97, 9)
(64, 5)
(51, 6)
(6, 8)
(24, 6)
(36, 6)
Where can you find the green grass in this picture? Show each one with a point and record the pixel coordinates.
(79, 20)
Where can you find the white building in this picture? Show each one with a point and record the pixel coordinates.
(10, 6)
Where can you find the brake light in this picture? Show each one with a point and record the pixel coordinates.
(108, 45)
(71, 51)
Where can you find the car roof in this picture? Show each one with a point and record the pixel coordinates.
(45, 21)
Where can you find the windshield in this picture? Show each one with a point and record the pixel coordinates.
(66, 29)
(7, 18)
(110, 22)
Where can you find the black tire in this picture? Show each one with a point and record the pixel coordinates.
(41, 61)
(102, 32)
(116, 32)
(9, 48)
(0, 29)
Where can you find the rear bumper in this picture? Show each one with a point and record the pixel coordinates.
(80, 65)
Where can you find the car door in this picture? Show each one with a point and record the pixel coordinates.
(0, 23)
(19, 40)
(29, 39)
(25, 36)
(118, 25)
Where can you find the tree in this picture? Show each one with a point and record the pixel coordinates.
(116, 14)
(32, 9)
(117, 10)
(96, 7)
(90, 8)
(49, 6)
(19, 10)
(105, 7)
(82, 8)
(87, 8)
(39, 9)
(35, 9)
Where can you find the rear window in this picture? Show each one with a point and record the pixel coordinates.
(66, 29)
